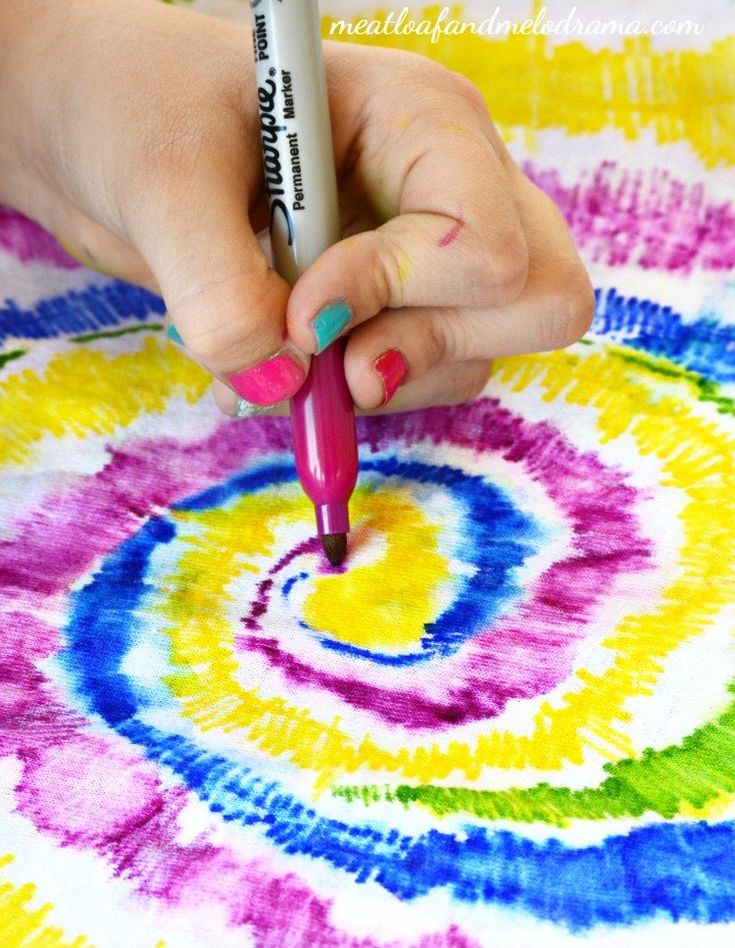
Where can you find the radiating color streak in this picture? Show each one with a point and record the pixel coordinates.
(679, 95)
(620, 881)
(140, 476)
(106, 304)
(697, 457)
(666, 782)
(524, 653)
(115, 333)
(705, 345)
(33, 407)
(147, 848)
(6, 357)
(141, 840)
(621, 217)
(27, 241)
(615, 389)
(22, 926)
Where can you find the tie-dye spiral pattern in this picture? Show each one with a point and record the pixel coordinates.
(509, 720)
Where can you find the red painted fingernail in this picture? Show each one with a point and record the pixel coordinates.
(393, 370)
(270, 381)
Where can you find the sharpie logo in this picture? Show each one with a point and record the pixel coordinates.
(269, 132)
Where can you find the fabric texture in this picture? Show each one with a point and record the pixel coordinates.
(509, 719)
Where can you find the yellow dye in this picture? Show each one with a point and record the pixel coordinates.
(404, 265)
(384, 604)
(197, 595)
(377, 605)
(532, 84)
(22, 926)
(719, 808)
(88, 392)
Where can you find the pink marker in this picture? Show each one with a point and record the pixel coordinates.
(325, 444)
(301, 183)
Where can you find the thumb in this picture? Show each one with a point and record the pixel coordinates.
(225, 303)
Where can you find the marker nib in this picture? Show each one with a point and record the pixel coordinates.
(335, 546)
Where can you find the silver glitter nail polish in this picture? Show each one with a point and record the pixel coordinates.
(246, 409)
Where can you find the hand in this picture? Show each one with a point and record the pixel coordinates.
(135, 139)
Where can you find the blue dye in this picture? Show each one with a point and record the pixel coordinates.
(291, 582)
(106, 620)
(704, 345)
(96, 307)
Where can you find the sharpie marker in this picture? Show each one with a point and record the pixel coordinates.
(301, 184)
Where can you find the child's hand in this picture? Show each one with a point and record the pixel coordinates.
(135, 139)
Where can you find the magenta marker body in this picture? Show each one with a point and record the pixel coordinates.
(301, 183)
(325, 443)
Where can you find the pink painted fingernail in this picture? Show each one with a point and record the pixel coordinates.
(393, 370)
(270, 381)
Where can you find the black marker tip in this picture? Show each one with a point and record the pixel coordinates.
(335, 546)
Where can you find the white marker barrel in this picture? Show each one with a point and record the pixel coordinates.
(298, 157)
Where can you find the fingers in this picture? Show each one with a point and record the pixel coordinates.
(457, 241)
(444, 385)
(226, 304)
(553, 311)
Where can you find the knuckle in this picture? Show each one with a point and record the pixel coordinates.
(467, 90)
(231, 317)
(227, 349)
(504, 269)
(389, 272)
(572, 309)
(226, 343)
(437, 341)
(441, 337)
(470, 382)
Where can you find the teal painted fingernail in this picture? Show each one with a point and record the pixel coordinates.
(172, 333)
(329, 323)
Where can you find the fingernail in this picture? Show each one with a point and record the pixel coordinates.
(393, 370)
(270, 381)
(173, 333)
(329, 323)
(246, 409)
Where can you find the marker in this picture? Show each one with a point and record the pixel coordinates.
(301, 184)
